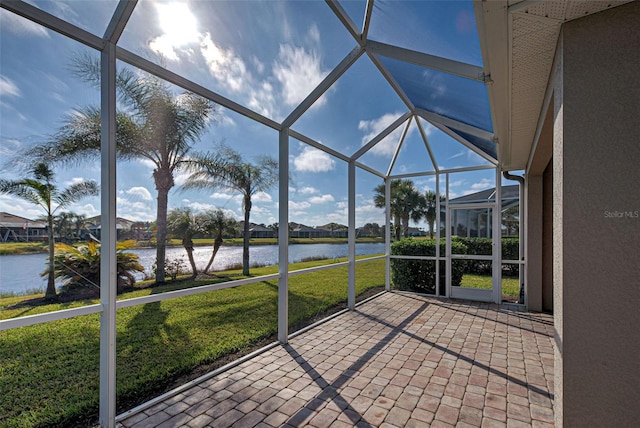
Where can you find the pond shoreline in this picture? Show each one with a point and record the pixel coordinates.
(22, 248)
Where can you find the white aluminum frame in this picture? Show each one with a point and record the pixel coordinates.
(111, 52)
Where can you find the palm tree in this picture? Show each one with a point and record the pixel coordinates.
(79, 266)
(79, 221)
(42, 191)
(63, 224)
(406, 204)
(216, 223)
(184, 224)
(227, 169)
(152, 124)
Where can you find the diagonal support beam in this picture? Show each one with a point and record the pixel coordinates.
(317, 145)
(367, 20)
(348, 23)
(335, 74)
(388, 130)
(53, 23)
(399, 147)
(176, 79)
(452, 123)
(445, 124)
(119, 20)
(458, 68)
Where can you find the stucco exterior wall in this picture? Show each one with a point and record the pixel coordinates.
(596, 224)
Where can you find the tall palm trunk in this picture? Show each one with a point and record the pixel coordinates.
(247, 233)
(51, 279)
(187, 243)
(216, 246)
(164, 182)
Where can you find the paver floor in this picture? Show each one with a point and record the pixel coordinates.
(397, 361)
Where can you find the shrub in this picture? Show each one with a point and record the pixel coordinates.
(476, 246)
(78, 267)
(510, 249)
(420, 275)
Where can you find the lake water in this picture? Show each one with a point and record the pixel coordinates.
(21, 273)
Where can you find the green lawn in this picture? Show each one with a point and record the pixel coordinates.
(510, 286)
(22, 247)
(49, 373)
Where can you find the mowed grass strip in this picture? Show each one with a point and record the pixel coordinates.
(510, 285)
(49, 373)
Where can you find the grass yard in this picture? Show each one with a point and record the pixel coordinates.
(49, 373)
(510, 286)
(22, 247)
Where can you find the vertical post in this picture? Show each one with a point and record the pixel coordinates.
(108, 238)
(387, 232)
(437, 226)
(497, 241)
(522, 298)
(283, 237)
(351, 289)
(448, 235)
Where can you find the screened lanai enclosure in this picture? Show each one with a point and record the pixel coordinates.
(345, 96)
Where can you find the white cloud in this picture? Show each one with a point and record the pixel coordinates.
(180, 178)
(435, 83)
(313, 160)
(227, 68)
(148, 163)
(16, 206)
(262, 197)
(373, 127)
(299, 72)
(20, 26)
(179, 27)
(341, 205)
(9, 146)
(74, 180)
(225, 196)
(298, 206)
(321, 199)
(257, 64)
(8, 88)
(314, 33)
(88, 209)
(457, 155)
(307, 190)
(485, 183)
(140, 192)
(262, 100)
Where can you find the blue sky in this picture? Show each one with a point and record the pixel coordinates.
(267, 56)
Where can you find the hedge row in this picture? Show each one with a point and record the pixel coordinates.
(419, 275)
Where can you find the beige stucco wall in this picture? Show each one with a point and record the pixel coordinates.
(596, 225)
(538, 203)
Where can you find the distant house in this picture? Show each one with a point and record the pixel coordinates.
(14, 228)
(123, 227)
(476, 222)
(331, 230)
(510, 196)
(260, 231)
(414, 231)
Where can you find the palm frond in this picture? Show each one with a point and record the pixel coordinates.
(75, 192)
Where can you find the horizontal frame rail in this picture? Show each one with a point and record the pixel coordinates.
(317, 268)
(407, 257)
(49, 316)
(97, 308)
(191, 291)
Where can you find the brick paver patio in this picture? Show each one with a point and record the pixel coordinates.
(397, 361)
